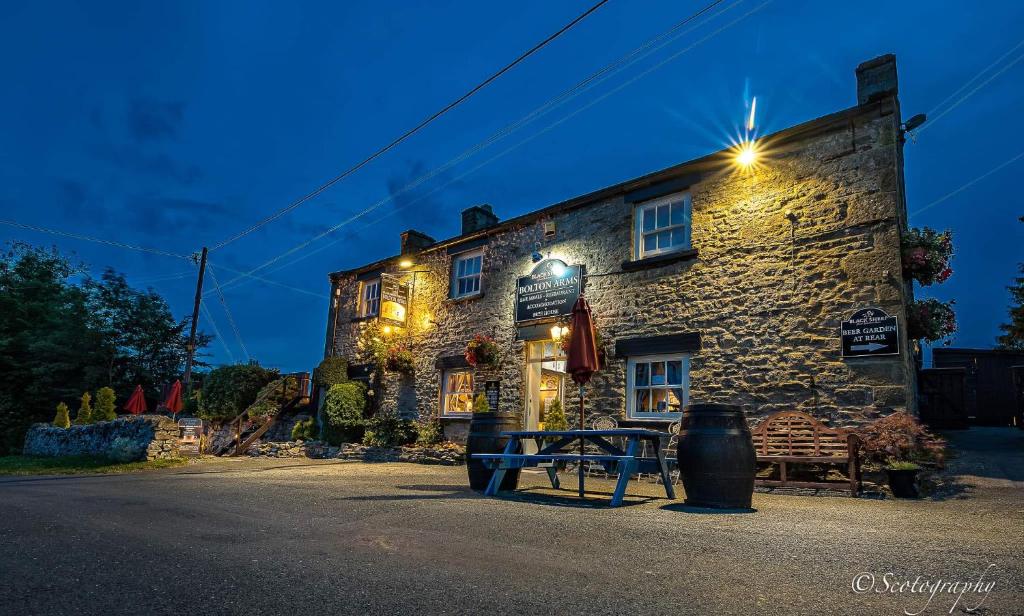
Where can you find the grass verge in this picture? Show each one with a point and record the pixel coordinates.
(76, 465)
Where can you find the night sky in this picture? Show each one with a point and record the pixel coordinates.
(178, 124)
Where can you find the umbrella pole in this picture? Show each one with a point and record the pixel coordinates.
(580, 467)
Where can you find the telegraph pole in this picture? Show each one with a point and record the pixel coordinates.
(195, 320)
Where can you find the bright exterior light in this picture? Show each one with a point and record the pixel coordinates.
(557, 269)
(387, 329)
(556, 332)
(405, 264)
(746, 154)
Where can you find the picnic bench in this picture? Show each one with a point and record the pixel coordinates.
(552, 447)
(792, 437)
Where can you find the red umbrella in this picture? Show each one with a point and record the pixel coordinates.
(581, 359)
(173, 401)
(137, 403)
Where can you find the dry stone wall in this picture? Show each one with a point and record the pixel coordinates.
(127, 438)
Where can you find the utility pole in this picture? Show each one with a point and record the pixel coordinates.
(195, 320)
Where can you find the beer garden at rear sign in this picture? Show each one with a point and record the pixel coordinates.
(870, 332)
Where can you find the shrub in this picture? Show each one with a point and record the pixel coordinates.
(305, 430)
(229, 390)
(430, 432)
(900, 438)
(84, 415)
(343, 410)
(554, 419)
(387, 429)
(62, 420)
(274, 395)
(104, 410)
(400, 360)
(331, 371)
(480, 404)
(126, 450)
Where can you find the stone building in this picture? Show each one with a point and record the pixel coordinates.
(710, 281)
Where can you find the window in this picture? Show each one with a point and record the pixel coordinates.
(369, 298)
(466, 273)
(457, 392)
(657, 386)
(662, 225)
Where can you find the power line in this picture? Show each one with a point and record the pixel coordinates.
(273, 282)
(97, 240)
(975, 78)
(649, 46)
(227, 311)
(968, 184)
(411, 131)
(216, 331)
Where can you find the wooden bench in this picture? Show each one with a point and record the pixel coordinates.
(792, 437)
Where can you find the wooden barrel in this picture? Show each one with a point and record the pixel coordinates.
(485, 437)
(716, 456)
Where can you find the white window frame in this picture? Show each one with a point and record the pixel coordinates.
(369, 307)
(686, 225)
(444, 392)
(631, 411)
(455, 277)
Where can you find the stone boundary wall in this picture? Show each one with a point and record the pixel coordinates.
(126, 439)
(446, 455)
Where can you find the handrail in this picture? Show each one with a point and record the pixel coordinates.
(302, 379)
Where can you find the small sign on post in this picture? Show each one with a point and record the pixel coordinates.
(870, 332)
(190, 434)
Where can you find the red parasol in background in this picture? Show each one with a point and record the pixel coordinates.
(173, 401)
(581, 360)
(137, 403)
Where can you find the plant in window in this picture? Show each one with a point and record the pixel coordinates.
(400, 360)
(926, 254)
(482, 351)
(480, 404)
(61, 420)
(931, 320)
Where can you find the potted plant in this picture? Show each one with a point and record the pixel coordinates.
(400, 360)
(482, 351)
(902, 478)
(926, 254)
(485, 436)
(930, 319)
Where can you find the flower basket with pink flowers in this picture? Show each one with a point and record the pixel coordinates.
(926, 254)
(482, 351)
(930, 319)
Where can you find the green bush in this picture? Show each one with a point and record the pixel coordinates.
(430, 432)
(84, 415)
(343, 410)
(387, 429)
(480, 404)
(554, 419)
(305, 430)
(104, 410)
(274, 395)
(62, 420)
(229, 390)
(331, 371)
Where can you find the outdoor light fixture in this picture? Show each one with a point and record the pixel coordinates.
(536, 256)
(557, 331)
(558, 269)
(914, 122)
(746, 154)
(405, 264)
(386, 330)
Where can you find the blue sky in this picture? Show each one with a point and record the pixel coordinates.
(178, 124)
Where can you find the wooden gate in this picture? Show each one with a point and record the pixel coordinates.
(941, 397)
(1018, 381)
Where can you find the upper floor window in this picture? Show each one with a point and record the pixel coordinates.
(662, 225)
(466, 273)
(369, 298)
(657, 386)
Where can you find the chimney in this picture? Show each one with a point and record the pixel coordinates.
(414, 241)
(876, 79)
(477, 217)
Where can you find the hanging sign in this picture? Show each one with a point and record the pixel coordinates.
(190, 433)
(870, 332)
(550, 290)
(394, 299)
(492, 391)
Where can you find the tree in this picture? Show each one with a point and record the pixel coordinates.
(1013, 332)
(62, 420)
(84, 415)
(344, 409)
(104, 410)
(229, 390)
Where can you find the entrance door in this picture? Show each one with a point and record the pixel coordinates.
(545, 381)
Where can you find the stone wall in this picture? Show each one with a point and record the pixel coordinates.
(127, 438)
(785, 251)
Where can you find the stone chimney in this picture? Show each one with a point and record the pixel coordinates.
(414, 241)
(876, 79)
(478, 217)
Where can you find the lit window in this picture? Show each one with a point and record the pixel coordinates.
(662, 225)
(466, 273)
(369, 298)
(457, 392)
(657, 386)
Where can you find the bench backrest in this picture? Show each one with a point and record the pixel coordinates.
(792, 433)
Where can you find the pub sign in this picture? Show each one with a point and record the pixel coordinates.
(550, 291)
(869, 332)
(394, 299)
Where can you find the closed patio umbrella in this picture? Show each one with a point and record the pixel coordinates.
(581, 359)
(137, 403)
(173, 402)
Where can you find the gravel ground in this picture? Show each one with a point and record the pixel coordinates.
(278, 537)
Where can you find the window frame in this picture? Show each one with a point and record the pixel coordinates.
(454, 278)
(364, 312)
(631, 389)
(638, 226)
(444, 392)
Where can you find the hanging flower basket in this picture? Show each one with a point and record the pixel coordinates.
(926, 254)
(400, 360)
(482, 351)
(931, 320)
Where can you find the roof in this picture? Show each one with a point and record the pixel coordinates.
(839, 119)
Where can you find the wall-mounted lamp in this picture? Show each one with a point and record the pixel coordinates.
(558, 331)
(746, 154)
(405, 263)
(386, 330)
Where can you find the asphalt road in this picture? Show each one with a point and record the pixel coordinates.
(265, 537)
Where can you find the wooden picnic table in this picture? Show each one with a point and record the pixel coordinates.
(551, 447)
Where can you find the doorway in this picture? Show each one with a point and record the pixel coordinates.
(545, 381)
